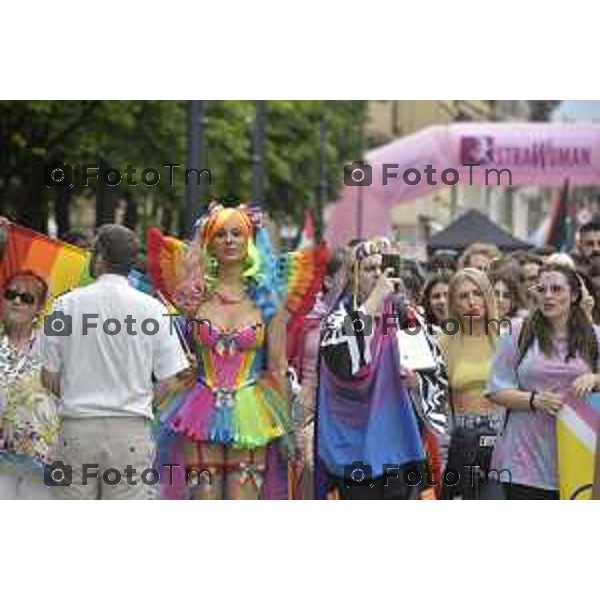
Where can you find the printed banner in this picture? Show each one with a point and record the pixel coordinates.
(461, 155)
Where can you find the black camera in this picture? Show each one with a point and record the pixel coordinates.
(358, 174)
(394, 262)
(58, 174)
(358, 474)
(357, 323)
(57, 474)
(58, 324)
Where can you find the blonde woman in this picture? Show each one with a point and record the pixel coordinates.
(468, 341)
(479, 256)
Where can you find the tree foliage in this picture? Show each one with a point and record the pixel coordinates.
(149, 134)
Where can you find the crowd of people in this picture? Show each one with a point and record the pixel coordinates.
(398, 383)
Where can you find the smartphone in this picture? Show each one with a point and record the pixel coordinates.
(392, 261)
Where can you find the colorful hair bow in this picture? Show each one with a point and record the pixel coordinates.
(251, 218)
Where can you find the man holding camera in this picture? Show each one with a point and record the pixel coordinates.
(99, 356)
(369, 439)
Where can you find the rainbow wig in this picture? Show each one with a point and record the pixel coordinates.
(260, 268)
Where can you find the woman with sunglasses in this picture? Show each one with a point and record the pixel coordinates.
(28, 416)
(375, 417)
(554, 352)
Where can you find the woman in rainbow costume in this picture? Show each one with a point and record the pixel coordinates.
(222, 430)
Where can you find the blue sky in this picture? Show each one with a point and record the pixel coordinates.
(578, 110)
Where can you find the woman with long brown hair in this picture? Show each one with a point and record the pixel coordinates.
(509, 302)
(434, 300)
(554, 352)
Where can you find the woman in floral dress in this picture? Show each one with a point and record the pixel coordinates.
(28, 415)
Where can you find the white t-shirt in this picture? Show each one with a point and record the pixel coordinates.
(104, 375)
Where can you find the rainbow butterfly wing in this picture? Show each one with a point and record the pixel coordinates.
(301, 276)
(166, 259)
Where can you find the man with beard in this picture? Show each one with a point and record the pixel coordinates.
(588, 243)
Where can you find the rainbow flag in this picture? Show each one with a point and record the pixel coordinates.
(577, 425)
(64, 267)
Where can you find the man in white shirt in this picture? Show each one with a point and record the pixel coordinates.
(102, 345)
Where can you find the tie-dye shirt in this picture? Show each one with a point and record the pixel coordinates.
(527, 446)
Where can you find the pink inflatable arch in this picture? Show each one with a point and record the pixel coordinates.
(499, 154)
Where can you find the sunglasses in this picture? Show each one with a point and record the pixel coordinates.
(25, 297)
(553, 289)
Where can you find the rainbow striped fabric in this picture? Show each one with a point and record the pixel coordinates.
(576, 441)
(64, 267)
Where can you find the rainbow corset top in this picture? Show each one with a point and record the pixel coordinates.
(233, 402)
(229, 343)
